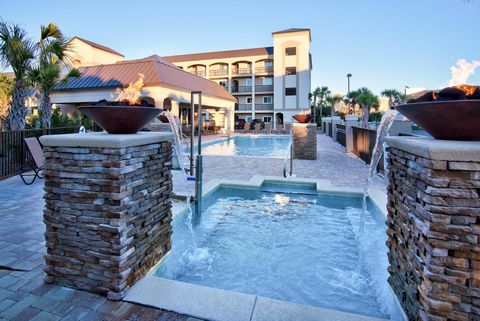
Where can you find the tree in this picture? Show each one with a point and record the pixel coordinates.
(6, 91)
(392, 95)
(53, 59)
(332, 101)
(319, 96)
(367, 100)
(16, 52)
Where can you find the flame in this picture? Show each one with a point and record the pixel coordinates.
(132, 93)
(467, 89)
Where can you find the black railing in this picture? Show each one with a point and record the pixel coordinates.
(263, 106)
(218, 72)
(363, 144)
(330, 131)
(342, 135)
(14, 153)
(264, 70)
(244, 107)
(262, 88)
(241, 89)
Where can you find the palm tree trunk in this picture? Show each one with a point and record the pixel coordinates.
(366, 114)
(46, 110)
(18, 111)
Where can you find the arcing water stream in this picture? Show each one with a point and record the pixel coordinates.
(382, 132)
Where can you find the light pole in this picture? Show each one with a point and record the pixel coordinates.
(406, 87)
(348, 92)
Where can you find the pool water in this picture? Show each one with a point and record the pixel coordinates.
(266, 146)
(302, 248)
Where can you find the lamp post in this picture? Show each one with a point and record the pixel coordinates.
(406, 87)
(348, 92)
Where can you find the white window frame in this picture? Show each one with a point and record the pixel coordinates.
(269, 79)
(270, 99)
(249, 98)
(248, 119)
(267, 119)
(248, 82)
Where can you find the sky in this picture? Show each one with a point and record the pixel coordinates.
(382, 43)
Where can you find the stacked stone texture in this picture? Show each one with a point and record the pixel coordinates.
(107, 215)
(433, 236)
(305, 141)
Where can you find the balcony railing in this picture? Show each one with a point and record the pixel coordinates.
(241, 89)
(263, 106)
(200, 73)
(218, 72)
(263, 88)
(241, 71)
(244, 107)
(264, 70)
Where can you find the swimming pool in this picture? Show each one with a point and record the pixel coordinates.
(266, 146)
(299, 246)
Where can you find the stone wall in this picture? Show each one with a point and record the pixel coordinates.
(107, 214)
(305, 141)
(433, 228)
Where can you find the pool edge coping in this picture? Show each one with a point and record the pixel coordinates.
(377, 196)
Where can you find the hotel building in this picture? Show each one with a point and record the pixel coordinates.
(270, 83)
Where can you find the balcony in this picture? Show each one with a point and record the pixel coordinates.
(218, 72)
(263, 88)
(245, 107)
(241, 89)
(264, 70)
(200, 73)
(241, 71)
(263, 107)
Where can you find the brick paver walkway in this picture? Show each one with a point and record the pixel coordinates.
(24, 296)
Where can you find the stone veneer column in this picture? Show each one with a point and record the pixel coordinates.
(305, 141)
(434, 227)
(107, 208)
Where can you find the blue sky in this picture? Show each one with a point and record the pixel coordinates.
(383, 43)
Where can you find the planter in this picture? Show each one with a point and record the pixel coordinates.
(449, 120)
(120, 119)
(303, 118)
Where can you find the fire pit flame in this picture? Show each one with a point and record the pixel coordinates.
(131, 94)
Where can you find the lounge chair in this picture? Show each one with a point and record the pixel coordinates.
(279, 129)
(246, 128)
(287, 128)
(257, 128)
(268, 128)
(36, 164)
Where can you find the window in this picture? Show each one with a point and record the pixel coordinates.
(249, 119)
(268, 64)
(223, 83)
(267, 119)
(290, 51)
(249, 82)
(290, 91)
(267, 99)
(290, 70)
(267, 81)
(249, 100)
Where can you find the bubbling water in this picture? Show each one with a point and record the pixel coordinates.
(382, 132)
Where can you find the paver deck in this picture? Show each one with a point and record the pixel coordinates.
(24, 296)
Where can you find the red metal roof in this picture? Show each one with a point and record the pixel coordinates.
(262, 51)
(98, 46)
(156, 73)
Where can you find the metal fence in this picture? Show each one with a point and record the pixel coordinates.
(330, 131)
(363, 144)
(342, 135)
(14, 153)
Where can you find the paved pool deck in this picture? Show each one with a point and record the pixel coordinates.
(24, 295)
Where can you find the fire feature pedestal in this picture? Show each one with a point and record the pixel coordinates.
(434, 227)
(305, 141)
(107, 208)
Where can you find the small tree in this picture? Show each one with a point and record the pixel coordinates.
(392, 95)
(7, 85)
(16, 52)
(53, 59)
(367, 100)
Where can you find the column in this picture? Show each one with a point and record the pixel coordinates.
(253, 90)
(335, 120)
(350, 121)
(107, 208)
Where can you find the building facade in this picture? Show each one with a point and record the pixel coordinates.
(270, 83)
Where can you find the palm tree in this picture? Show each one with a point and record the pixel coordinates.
(367, 100)
(53, 59)
(392, 95)
(332, 101)
(16, 52)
